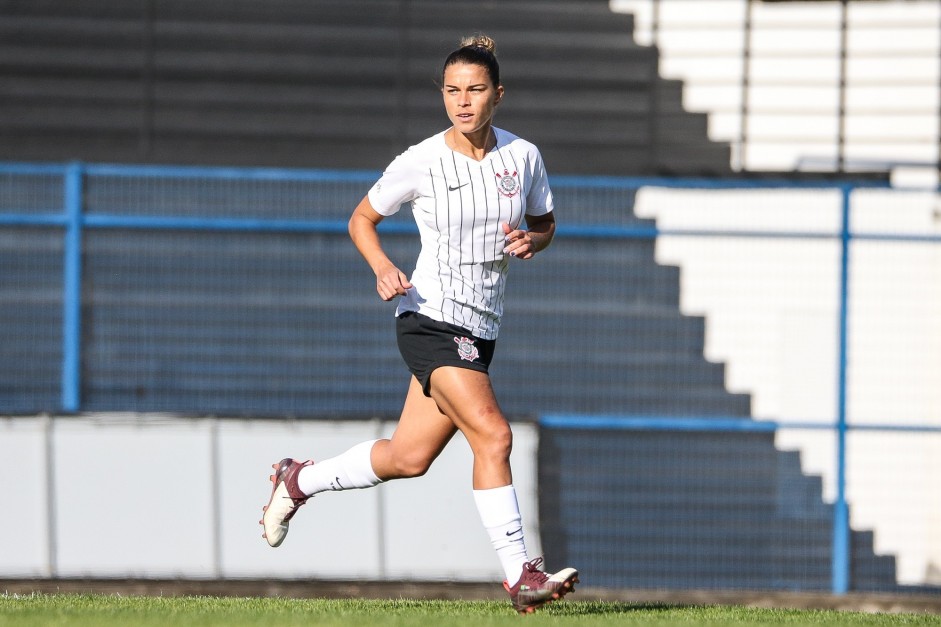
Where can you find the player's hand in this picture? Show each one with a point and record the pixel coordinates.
(519, 243)
(391, 282)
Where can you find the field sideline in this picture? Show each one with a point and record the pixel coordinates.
(101, 610)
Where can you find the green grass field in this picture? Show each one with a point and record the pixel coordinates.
(112, 610)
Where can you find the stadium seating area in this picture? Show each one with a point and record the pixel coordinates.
(331, 83)
(668, 510)
(286, 323)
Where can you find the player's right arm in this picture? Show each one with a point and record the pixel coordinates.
(363, 228)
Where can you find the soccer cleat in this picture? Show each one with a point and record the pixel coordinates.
(286, 497)
(536, 588)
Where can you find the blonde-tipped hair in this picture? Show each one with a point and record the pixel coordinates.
(480, 41)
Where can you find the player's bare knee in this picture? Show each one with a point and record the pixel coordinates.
(409, 466)
(498, 444)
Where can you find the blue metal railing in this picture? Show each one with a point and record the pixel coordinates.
(72, 292)
(73, 219)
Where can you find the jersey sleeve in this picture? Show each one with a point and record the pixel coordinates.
(397, 185)
(539, 199)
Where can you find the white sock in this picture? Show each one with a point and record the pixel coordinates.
(500, 514)
(346, 471)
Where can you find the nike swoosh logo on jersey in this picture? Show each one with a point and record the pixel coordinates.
(455, 187)
(510, 533)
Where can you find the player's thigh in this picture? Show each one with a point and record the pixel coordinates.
(423, 430)
(467, 398)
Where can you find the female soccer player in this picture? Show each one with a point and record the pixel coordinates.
(470, 188)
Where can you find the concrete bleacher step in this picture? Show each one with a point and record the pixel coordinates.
(802, 496)
(689, 158)
(869, 570)
(629, 285)
(37, 336)
(230, 285)
(665, 368)
(652, 329)
(236, 405)
(605, 40)
(231, 347)
(704, 538)
(20, 378)
(38, 243)
(209, 199)
(48, 61)
(538, 14)
(601, 207)
(25, 260)
(30, 194)
(78, 31)
(169, 378)
(614, 397)
(186, 316)
(708, 508)
(33, 291)
(29, 400)
(579, 400)
(630, 294)
(238, 402)
(92, 9)
(586, 15)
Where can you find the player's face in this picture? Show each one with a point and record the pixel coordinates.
(470, 98)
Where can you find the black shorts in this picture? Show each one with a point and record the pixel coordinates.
(426, 344)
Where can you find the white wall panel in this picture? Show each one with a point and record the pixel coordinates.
(153, 496)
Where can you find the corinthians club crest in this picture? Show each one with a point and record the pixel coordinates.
(507, 183)
(466, 349)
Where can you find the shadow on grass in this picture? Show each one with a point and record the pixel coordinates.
(587, 608)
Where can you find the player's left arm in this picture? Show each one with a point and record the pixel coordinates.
(524, 244)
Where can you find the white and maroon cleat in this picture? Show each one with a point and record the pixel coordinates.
(286, 497)
(536, 588)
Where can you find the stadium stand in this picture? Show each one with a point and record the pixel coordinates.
(668, 510)
(330, 83)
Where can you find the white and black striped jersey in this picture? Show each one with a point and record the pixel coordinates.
(459, 205)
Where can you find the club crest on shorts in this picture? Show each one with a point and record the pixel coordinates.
(507, 183)
(466, 349)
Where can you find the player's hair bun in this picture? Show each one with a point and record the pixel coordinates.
(476, 50)
(480, 41)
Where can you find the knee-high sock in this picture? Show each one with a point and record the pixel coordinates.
(500, 514)
(346, 471)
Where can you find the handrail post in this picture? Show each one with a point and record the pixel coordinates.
(72, 289)
(841, 534)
